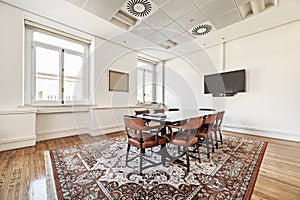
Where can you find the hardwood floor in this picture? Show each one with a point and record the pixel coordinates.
(23, 170)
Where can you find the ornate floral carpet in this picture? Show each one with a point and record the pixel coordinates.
(98, 171)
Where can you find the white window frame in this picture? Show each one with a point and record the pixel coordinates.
(30, 69)
(153, 64)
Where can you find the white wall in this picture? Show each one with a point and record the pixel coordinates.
(11, 56)
(53, 122)
(270, 107)
(184, 79)
(271, 103)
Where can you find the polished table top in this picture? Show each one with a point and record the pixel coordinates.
(171, 117)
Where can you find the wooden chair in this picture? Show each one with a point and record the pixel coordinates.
(207, 109)
(205, 132)
(159, 110)
(186, 136)
(173, 109)
(140, 112)
(217, 128)
(140, 135)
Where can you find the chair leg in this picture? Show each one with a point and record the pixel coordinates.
(128, 149)
(216, 139)
(220, 132)
(198, 149)
(212, 144)
(187, 158)
(141, 161)
(207, 148)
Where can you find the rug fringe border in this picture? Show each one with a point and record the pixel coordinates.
(251, 185)
(50, 183)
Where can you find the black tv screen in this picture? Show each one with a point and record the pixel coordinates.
(225, 83)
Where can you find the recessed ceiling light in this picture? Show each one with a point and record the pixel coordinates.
(202, 29)
(139, 8)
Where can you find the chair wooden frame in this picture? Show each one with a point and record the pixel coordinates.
(217, 128)
(186, 136)
(205, 133)
(140, 135)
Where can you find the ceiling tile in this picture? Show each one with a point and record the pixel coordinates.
(183, 37)
(80, 3)
(158, 19)
(157, 38)
(143, 30)
(217, 8)
(191, 19)
(171, 30)
(160, 2)
(101, 8)
(118, 3)
(200, 3)
(227, 19)
(178, 8)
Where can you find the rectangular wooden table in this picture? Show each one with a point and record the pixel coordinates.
(172, 117)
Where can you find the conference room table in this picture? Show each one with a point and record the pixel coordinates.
(172, 118)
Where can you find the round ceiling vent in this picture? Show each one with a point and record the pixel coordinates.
(202, 29)
(139, 8)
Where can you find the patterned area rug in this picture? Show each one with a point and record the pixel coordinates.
(98, 171)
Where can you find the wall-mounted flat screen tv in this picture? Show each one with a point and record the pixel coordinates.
(226, 83)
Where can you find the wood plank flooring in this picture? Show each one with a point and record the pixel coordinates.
(22, 171)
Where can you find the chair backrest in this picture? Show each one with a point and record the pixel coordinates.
(173, 109)
(139, 112)
(219, 118)
(159, 110)
(193, 123)
(207, 109)
(208, 123)
(133, 123)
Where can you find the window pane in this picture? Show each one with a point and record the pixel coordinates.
(148, 86)
(140, 83)
(48, 39)
(73, 78)
(47, 74)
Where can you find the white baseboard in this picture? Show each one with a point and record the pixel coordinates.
(106, 129)
(16, 143)
(53, 134)
(262, 132)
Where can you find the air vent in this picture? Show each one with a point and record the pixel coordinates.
(168, 44)
(202, 29)
(123, 20)
(139, 8)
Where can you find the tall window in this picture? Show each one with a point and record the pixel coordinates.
(58, 67)
(145, 82)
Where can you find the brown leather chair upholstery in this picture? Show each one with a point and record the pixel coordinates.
(186, 136)
(217, 128)
(205, 132)
(140, 112)
(140, 135)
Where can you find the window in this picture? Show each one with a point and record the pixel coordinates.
(58, 67)
(146, 82)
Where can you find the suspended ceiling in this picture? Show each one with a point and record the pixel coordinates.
(169, 23)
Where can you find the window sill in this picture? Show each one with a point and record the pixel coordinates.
(53, 109)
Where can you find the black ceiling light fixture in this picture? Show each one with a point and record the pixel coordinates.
(139, 8)
(202, 29)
